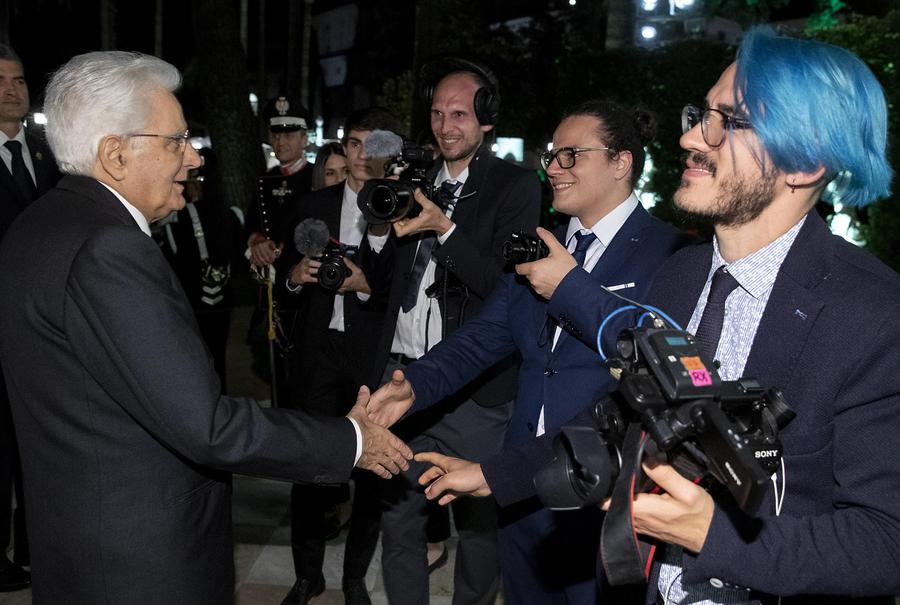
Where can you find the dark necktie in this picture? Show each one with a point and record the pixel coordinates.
(446, 199)
(710, 326)
(584, 241)
(20, 173)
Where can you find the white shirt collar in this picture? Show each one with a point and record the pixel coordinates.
(20, 137)
(444, 175)
(606, 228)
(295, 166)
(139, 218)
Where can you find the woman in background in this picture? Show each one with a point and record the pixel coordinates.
(330, 167)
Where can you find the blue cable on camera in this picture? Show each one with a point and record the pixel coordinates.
(649, 312)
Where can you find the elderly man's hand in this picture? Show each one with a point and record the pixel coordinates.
(545, 274)
(263, 252)
(450, 478)
(391, 400)
(431, 218)
(383, 453)
(681, 515)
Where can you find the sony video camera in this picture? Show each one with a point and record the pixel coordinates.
(711, 430)
(524, 248)
(388, 200)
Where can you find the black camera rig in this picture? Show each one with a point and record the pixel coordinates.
(388, 200)
(671, 406)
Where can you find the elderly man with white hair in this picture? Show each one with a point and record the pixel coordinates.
(127, 444)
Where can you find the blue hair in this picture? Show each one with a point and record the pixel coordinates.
(813, 104)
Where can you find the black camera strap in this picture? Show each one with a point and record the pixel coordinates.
(624, 557)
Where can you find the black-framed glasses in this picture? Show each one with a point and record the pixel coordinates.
(713, 123)
(179, 139)
(566, 156)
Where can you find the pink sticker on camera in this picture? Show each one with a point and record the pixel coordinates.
(700, 378)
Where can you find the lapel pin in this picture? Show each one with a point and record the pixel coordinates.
(800, 314)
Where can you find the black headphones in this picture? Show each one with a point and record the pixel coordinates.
(487, 97)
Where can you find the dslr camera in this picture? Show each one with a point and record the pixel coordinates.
(718, 432)
(524, 248)
(333, 271)
(387, 200)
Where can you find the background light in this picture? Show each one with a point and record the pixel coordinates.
(649, 5)
(648, 32)
(40, 118)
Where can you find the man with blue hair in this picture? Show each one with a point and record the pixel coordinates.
(799, 309)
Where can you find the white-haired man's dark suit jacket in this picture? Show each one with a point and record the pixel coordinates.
(126, 442)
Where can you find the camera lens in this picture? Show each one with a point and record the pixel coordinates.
(523, 248)
(331, 273)
(383, 201)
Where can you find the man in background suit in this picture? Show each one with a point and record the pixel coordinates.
(126, 442)
(445, 262)
(598, 155)
(28, 171)
(334, 344)
(798, 309)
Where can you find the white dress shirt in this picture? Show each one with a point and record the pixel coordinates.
(420, 329)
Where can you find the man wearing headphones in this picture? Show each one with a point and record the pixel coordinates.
(445, 262)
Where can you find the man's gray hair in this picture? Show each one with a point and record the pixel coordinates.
(99, 94)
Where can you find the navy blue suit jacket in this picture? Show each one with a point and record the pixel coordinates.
(829, 340)
(514, 318)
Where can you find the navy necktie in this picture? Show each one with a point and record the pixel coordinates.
(20, 173)
(446, 199)
(710, 327)
(581, 247)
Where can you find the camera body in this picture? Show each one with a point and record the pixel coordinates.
(524, 248)
(720, 432)
(333, 271)
(389, 200)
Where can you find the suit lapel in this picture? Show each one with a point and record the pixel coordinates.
(793, 306)
(467, 207)
(331, 213)
(45, 170)
(12, 192)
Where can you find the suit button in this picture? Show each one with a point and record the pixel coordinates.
(530, 428)
(549, 372)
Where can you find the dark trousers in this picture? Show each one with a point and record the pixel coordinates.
(11, 478)
(332, 392)
(214, 325)
(466, 430)
(549, 557)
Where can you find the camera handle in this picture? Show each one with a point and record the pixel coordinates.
(625, 558)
